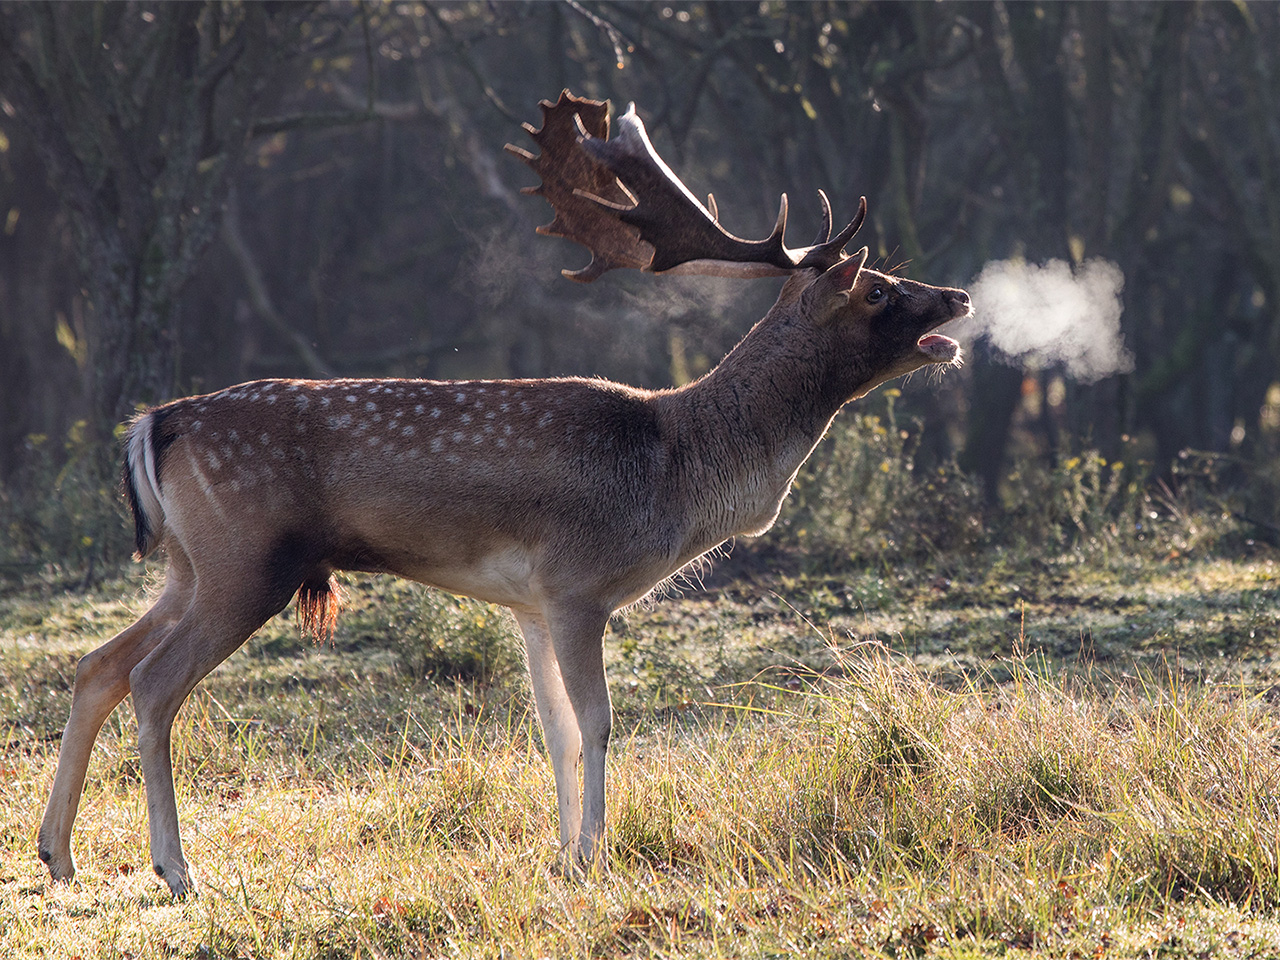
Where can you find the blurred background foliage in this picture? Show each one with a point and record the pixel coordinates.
(196, 194)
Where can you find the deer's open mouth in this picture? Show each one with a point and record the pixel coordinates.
(938, 349)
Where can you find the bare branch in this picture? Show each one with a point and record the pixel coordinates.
(260, 297)
(316, 120)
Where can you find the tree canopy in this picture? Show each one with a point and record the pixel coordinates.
(196, 194)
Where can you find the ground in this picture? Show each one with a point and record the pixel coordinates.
(1065, 758)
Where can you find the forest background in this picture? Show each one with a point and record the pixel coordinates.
(1003, 676)
(197, 194)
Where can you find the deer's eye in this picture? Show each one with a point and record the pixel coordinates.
(876, 294)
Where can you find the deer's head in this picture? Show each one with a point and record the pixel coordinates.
(874, 326)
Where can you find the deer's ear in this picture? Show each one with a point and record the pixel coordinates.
(830, 292)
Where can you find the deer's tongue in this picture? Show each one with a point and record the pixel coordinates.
(938, 348)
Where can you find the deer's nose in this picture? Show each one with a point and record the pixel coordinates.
(959, 301)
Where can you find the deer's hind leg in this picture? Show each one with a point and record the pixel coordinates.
(101, 682)
(223, 613)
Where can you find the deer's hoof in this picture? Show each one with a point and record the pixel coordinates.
(62, 867)
(181, 883)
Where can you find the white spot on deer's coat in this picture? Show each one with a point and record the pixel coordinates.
(418, 408)
(408, 431)
(457, 436)
(461, 398)
(352, 398)
(212, 459)
(370, 406)
(339, 423)
(436, 444)
(435, 411)
(465, 418)
(544, 419)
(324, 401)
(196, 425)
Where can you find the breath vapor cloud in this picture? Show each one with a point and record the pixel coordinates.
(1052, 314)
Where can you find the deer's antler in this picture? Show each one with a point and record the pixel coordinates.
(623, 203)
(579, 187)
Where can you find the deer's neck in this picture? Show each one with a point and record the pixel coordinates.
(740, 433)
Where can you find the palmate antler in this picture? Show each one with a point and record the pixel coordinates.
(623, 203)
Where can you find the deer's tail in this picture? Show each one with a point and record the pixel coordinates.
(142, 485)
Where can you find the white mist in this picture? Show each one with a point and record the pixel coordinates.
(1051, 314)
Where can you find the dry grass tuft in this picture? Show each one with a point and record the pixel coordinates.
(337, 805)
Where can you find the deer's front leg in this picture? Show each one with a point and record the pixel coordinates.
(559, 723)
(577, 635)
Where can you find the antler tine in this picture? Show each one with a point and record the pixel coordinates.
(854, 225)
(823, 256)
(824, 234)
(780, 227)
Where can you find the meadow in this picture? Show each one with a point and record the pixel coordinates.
(881, 731)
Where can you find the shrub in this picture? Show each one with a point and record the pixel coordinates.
(62, 508)
(448, 637)
(860, 498)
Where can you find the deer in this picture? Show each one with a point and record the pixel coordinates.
(564, 499)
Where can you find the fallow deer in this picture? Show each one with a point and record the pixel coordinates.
(562, 499)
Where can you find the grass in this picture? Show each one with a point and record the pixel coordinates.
(888, 730)
(1063, 760)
